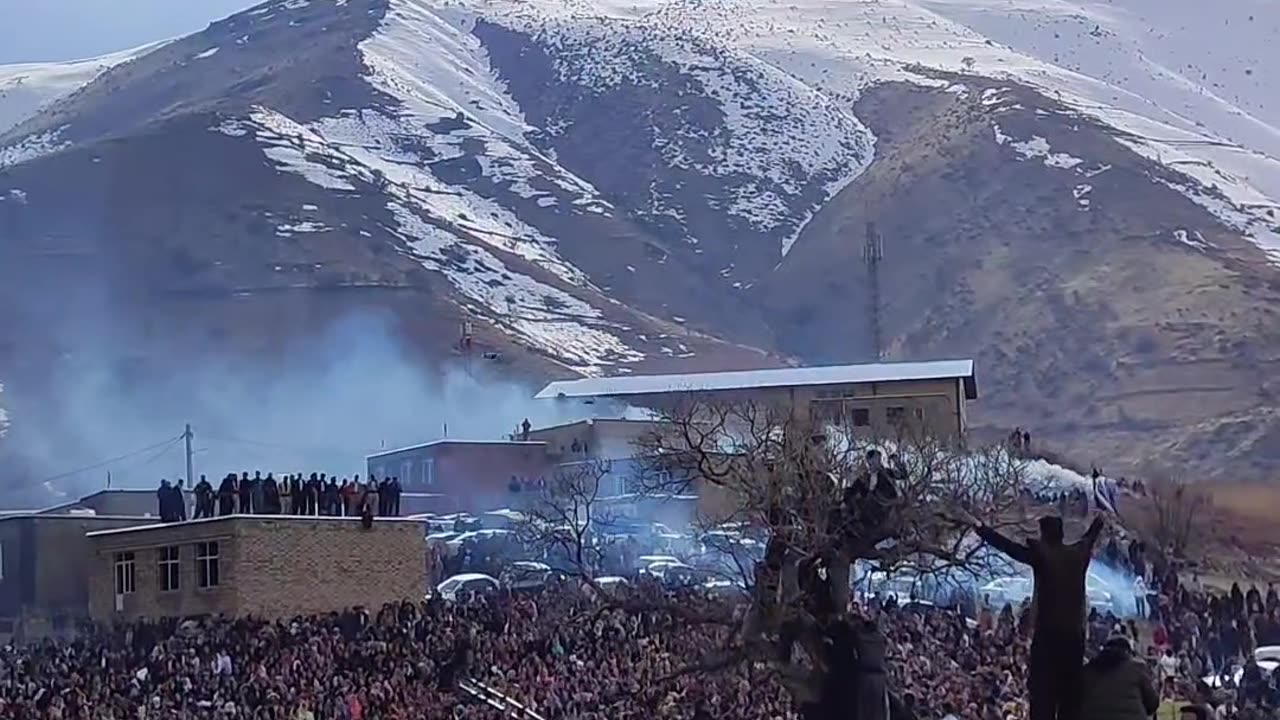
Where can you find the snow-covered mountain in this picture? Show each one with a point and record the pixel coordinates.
(1064, 189)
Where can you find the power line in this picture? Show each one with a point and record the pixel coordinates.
(274, 446)
(110, 461)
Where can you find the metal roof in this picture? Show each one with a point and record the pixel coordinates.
(772, 378)
(453, 441)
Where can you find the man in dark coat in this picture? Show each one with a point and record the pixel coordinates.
(164, 499)
(872, 689)
(270, 495)
(178, 497)
(1117, 686)
(395, 497)
(246, 494)
(204, 499)
(1057, 643)
(227, 491)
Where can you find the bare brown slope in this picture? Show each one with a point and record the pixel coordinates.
(1093, 325)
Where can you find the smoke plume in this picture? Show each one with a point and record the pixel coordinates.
(319, 405)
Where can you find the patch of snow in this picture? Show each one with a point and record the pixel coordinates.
(1238, 204)
(541, 315)
(1081, 194)
(429, 60)
(293, 148)
(1036, 147)
(207, 53)
(4, 415)
(26, 89)
(32, 147)
(295, 4)
(18, 195)
(1191, 239)
(305, 226)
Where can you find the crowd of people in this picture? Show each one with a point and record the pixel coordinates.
(411, 661)
(318, 494)
(562, 654)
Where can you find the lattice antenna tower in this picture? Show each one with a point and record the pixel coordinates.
(873, 255)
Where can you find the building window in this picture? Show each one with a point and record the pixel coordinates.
(861, 417)
(126, 582)
(429, 471)
(207, 570)
(406, 469)
(895, 415)
(170, 571)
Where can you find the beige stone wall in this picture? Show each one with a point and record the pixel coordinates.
(148, 600)
(313, 566)
(268, 566)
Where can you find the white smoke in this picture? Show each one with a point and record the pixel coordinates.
(319, 405)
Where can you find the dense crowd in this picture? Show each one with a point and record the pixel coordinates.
(563, 655)
(403, 661)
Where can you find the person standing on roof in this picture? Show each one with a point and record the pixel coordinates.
(245, 490)
(227, 492)
(204, 499)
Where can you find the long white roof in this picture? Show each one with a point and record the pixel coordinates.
(771, 378)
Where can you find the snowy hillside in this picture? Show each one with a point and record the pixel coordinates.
(1064, 191)
(1114, 61)
(26, 88)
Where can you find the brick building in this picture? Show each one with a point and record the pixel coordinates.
(268, 566)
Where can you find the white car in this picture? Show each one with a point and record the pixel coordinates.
(526, 575)
(462, 586)
(1006, 591)
(672, 573)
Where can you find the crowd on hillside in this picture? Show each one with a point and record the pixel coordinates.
(318, 494)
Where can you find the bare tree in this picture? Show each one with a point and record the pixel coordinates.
(825, 497)
(1179, 515)
(562, 521)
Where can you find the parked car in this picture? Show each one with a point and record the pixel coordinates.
(460, 587)
(528, 575)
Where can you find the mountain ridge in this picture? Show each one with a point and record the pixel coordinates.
(604, 189)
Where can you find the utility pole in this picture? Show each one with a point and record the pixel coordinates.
(872, 254)
(187, 435)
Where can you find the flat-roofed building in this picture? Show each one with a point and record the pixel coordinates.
(45, 560)
(268, 566)
(878, 398)
(466, 475)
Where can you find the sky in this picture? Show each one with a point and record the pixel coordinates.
(55, 30)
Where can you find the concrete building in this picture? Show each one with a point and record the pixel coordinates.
(603, 443)
(117, 502)
(877, 398)
(268, 566)
(45, 560)
(465, 475)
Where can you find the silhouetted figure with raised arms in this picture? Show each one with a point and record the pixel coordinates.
(1057, 642)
